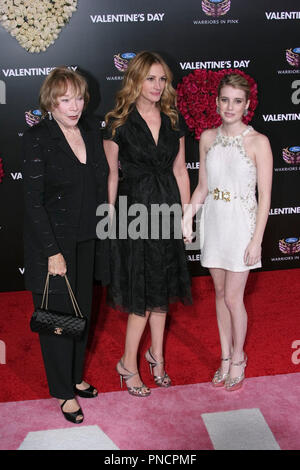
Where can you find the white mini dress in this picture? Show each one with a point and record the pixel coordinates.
(228, 215)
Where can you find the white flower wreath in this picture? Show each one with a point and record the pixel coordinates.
(35, 23)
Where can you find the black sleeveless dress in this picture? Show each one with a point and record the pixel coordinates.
(147, 273)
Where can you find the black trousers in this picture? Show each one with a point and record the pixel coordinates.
(64, 357)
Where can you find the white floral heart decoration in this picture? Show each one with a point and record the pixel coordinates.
(36, 23)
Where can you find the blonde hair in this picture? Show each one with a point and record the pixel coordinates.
(135, 74)
(56, 84)
(236, 81)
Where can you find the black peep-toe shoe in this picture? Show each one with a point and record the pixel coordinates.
(90, 392)
(72, 416)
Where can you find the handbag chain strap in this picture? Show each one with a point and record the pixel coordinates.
(73, 299)
(72, 296)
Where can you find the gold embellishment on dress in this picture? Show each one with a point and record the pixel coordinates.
(223, 195)
(234, 141)
(226, 196)
(216, 193)
(58, 331)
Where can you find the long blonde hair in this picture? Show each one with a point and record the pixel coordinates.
(135, 74)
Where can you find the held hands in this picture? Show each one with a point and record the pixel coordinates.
(57, 265)
(252, 253)
(187, 229)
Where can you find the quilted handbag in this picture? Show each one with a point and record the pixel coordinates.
(51, 322)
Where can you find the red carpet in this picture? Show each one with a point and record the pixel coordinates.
(192, 348)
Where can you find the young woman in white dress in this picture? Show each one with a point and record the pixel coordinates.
(234, 159)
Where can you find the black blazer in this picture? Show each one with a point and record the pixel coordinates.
(53, 195)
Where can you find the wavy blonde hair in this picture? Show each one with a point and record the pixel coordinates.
(134, 77)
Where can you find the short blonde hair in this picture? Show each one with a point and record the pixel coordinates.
(56, 84)
(236, 81)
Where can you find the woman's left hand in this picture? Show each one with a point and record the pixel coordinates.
(252, 253)
(57, 265)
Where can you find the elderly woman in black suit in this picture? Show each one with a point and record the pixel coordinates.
(64, 180)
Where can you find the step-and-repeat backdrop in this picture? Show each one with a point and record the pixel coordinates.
(99, 37)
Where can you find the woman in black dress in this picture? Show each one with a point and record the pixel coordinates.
(146, 135)
(65, 179)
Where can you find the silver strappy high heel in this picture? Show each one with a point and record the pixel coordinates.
(163, 380)
(237, 382)
(219, 379)
(141, 391)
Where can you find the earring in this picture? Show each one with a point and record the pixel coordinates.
(245, 112)
(218, 110)
(49, 115)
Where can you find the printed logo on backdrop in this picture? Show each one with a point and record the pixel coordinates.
(216, 11)
(128, 18)
(121, 61)
(284, 210)
(291, 156)
(16, 176)
(282, 117)
(282, 15)
(215, 7)
(33, 117)
(192, 165)
(194, 258)
(215, 64)
(292, 57)
(290, 247)
(31, 71)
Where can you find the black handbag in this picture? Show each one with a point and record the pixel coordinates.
(58, 323)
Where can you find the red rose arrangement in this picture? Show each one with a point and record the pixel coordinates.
(196, 99)
(1, 171)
